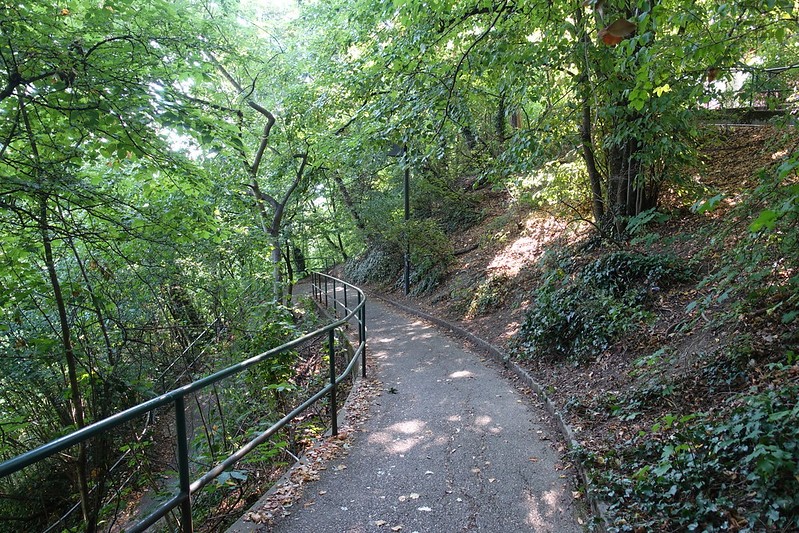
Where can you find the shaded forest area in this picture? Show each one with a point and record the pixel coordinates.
(168, 169)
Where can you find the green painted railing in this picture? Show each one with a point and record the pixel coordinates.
(324, 287)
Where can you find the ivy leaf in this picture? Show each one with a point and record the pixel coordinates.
(767, 219)
(704, 206)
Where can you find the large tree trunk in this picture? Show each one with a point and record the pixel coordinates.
(586, 130)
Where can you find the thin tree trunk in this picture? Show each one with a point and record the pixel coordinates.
(594, 177)
(356, 216)
(89, 514)
(76, 400)
(344, 256)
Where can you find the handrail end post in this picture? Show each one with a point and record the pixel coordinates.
(183, 465)
(333, 408)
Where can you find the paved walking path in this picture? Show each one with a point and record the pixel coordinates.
(449, 446)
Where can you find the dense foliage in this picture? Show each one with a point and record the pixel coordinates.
(168, 168)
(704, 472)
(580, 310)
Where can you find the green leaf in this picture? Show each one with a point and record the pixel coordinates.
(660, 91)
(767, 219)
(707, 205)
(789, 317)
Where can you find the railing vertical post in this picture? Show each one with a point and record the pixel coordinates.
(313, 284)
(183, 465)
(346, 309)
(331, 341)
(326, 302)
(362, 335)
(335, 299)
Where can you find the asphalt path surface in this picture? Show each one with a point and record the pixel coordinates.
(448, 446)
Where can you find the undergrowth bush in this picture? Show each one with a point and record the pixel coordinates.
(579, 311)
(737, 472)
(758, 273)
(377, 265)
(430, 257)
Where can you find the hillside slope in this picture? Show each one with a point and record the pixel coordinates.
(672, 353)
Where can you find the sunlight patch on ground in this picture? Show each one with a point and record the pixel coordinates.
(408, 427)
(541, 509)
(401, 437)
(535, 235)
(482, 420)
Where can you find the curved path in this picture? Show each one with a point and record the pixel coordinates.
(448, 446)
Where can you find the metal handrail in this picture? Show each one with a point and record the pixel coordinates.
(320, 285)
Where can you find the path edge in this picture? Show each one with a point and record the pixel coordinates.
(242, 525)
(597, 506)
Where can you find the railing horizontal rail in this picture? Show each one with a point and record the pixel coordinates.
(321, 284)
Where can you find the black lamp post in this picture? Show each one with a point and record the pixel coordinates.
(402, 151)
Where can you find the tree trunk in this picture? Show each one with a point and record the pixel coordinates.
(499, 118)
(586, 131)
(351, 207)
(629, 193)
(76, 399)
(341, 248)
(299, 260)
(277, 282)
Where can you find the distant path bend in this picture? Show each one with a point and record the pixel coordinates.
(449, 446)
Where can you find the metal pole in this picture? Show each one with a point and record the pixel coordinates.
(326, 302)
(406, 187)
(183, 465)
(362, 336)
(331, 341)
(335, 299)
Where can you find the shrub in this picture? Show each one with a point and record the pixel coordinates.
(377, 265)
(737, 472)
(577, 315)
